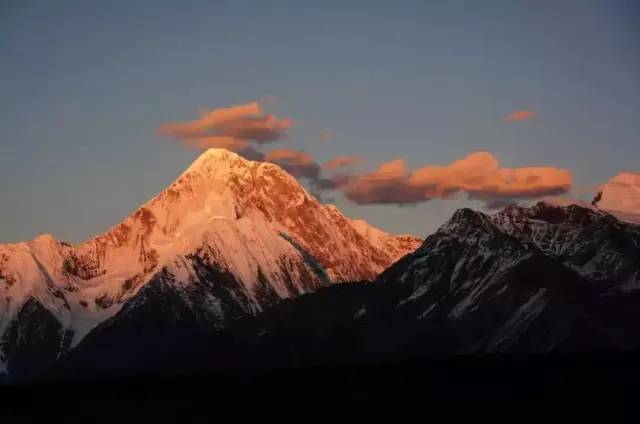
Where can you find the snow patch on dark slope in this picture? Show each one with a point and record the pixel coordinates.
(311, 261)
(475, 288)
(33, 341)
(595, 244)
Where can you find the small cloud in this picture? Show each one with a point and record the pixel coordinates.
(304, 167)
(247, 122)
(521, 115)
(387, 185)
(342, 162)
(327, 136)
(333, 182)
(242, 128)
(298, 163)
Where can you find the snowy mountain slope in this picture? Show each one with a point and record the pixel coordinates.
(230, 216)
(601, 248)
(507, 283)
(396, 245)
(620, 196)
(474, 287)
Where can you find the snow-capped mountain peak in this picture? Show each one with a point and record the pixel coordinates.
(44, 238)
(245, 232)
(620, 196)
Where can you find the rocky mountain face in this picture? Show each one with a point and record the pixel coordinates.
(534, 279)
(600, 248)
(235, 264)
(525, 280)
(228, 238)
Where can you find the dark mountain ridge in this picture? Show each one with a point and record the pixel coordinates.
(502, 284)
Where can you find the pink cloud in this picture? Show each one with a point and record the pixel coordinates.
(478, 174)
(298, 163)
(246, 121)
(388, 184)
(521, 115)
(342, 162)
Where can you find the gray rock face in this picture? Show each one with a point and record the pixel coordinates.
(33, 341)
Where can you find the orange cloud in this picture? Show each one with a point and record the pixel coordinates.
(302, 166)
(342, 162)
(298, 163)
(388, 184)
(290, 156)
(478, 174)
(241, 128)
(327, 136)
(246, 121)
(521, 115)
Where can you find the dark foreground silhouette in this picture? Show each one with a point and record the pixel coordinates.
(517, 386)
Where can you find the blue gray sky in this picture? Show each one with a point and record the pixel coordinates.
(84, 87)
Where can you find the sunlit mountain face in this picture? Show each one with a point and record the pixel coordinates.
(204, 268)
(621, 196)
(228, 238)
(293, 208)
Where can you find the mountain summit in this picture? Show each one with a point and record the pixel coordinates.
(620, 196)
(527, 279)
(228, 237)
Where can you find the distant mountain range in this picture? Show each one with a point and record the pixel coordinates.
(235, 265)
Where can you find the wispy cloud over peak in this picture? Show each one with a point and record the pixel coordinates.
(247, 121)
(298, 163)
